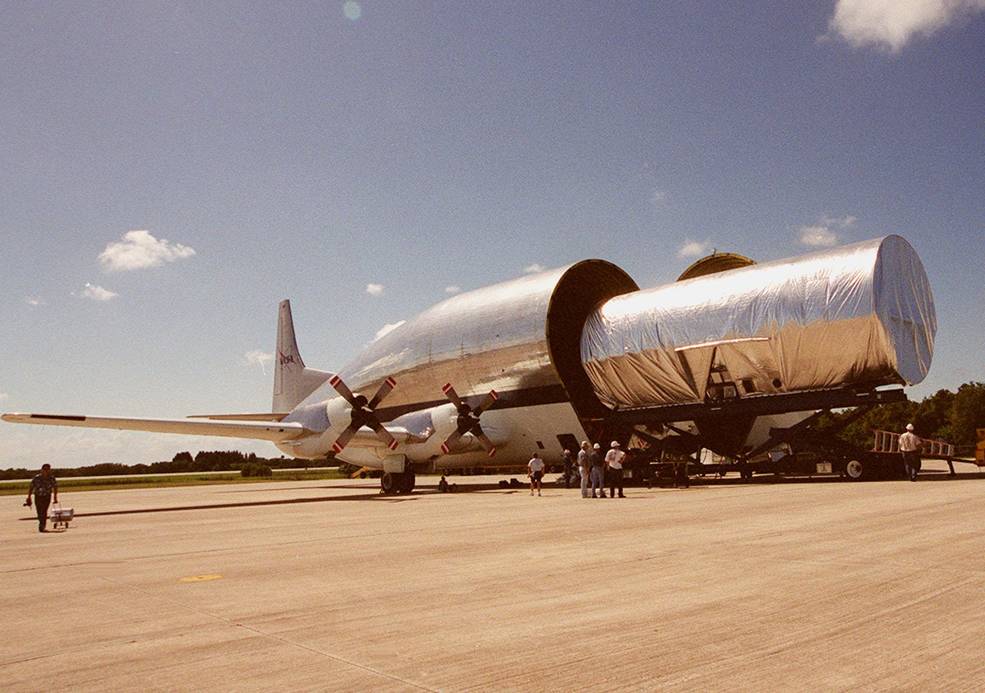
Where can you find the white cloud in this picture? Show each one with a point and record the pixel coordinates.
(35, 301)
(388, 328)
(97, 293)
(840, 222)
(534, 268)
(823, 234)
(258, 357)
(693, 248)
(139, 249)
(891, 24)
(453, 289)
(818, 236)
(374, 289)
(352, 10)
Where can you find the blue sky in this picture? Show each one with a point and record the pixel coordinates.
(365, 159)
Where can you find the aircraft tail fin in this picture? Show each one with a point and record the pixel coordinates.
(292, 380)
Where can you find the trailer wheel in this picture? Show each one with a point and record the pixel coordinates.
(854, 470)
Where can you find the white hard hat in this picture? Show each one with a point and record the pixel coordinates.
(597, 446)
(909, 427)
(615, 444)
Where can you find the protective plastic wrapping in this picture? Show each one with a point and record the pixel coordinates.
(860, 314)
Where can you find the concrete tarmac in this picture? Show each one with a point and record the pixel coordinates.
(327, 585)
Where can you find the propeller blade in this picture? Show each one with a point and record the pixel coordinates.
(452, 395)
(486, 403)
(384, 390)
(343, 389)
(451, 440)
(484, 441)
(383, 434)
(345, 437)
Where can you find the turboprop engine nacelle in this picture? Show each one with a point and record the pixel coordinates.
(447, 420)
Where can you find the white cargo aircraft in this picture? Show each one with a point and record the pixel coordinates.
(723, 359)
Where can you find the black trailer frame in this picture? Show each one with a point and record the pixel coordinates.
(814, 452)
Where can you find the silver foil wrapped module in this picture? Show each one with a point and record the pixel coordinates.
(860, 314)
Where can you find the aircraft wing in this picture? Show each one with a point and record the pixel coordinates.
(272, 431)
(265, 416)
(367, 438)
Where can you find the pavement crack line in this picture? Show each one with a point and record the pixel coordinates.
(386, 532)
(684, 677)
(277, 638)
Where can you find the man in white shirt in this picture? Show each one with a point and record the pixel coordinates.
(909, 446)
(536, 467)
(613, 460)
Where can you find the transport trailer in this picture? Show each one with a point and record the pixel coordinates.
(799, 450)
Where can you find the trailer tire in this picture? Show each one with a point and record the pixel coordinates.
(854, 470)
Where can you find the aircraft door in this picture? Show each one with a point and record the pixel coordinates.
(568, 442)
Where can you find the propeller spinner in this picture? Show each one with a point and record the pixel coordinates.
(363, 413)
(468, 420)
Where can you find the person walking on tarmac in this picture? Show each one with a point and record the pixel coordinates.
(536, 467)
(613, 460)
(42, 486)
(909, 446)
(598, 471)
(568, 466)
(584, 466)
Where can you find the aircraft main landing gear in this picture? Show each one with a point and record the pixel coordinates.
(392, 483)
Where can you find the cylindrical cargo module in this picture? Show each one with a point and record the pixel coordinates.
(861, 314)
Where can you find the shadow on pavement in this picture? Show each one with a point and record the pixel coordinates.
(246, 504)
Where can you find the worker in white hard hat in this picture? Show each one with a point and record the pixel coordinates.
(909, 447)
(613, 460)
(597, 473)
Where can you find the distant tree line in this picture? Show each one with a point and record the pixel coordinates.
(944, 415)
(183, 462)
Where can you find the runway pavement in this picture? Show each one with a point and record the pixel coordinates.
(327, 585)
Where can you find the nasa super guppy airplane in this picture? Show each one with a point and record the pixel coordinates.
(722, 356)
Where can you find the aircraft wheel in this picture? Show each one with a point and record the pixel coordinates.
(407, 482)
(854, 470)
(390, 483)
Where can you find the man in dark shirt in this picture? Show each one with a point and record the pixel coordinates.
(42, 486)
(598, 471)
(568, 466)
